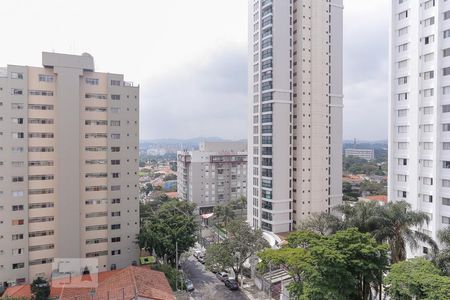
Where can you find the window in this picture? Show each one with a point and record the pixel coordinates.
(115, 123)
(428, 146)
(403, 80)
(428, 4)
(402, 129)
(428, 92)
(446, 164)
(40, 107)
(427, 180)
(115, 252)
(446, 71)
(16, 237)
(428, 75)
(428, 110)
(429, 39)
(40, 93)
(402, 96)
(15, 75)
(427, 163)
(403, 15)
(446, 127)
(427, 198)
(403, 48)
(115, 162)
(45, 78)
(445, 183)
(96, 96)
(402, 64)
(115, 239)
(115, 149)
(446, 108)
(447, 15)
(428, 128)
(91, 81)
(428, 22)
(18, 266)
(446, 201)
(445, 220)
(115, 214)
(401, 194)
(446, 52)
(446, 146)
(115, 97)
(402, 178)
(403, 31)
(115, 136)
(115, 226)
(402, 145)
(115, 82)
(446, 33)
(16, 92)
(402, 162)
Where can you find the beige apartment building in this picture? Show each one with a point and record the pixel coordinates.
(215, 174)
(68, 167)
(295, 111)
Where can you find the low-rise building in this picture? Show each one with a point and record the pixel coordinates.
(129, 283)
(367, 154)
(212, 175)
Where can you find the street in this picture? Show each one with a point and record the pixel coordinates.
(207, 286)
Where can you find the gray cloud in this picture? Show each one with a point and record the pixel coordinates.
(208, 98)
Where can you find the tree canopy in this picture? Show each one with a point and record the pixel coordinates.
(173, 222)
(417, 278)
(241, 243)
(341, 266)
(40, 289)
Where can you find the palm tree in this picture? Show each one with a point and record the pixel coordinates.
(441, 258)
(228, 214)
(395, 223)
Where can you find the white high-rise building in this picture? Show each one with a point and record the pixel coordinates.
(68, 167)
(419, 128)
(295, 111)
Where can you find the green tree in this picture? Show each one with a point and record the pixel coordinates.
(169, 177)
(241, 243)
(322, 223)
(174, 222)
(40, 289)
(418, 279)
(147, 188)
(342, 266)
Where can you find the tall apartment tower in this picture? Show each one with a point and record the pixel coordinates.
(419, 128)
(295, 111)
(68, 163)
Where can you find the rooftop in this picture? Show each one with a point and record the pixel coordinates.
(129, 283)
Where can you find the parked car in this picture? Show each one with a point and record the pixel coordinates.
(222, 276)
(232, 284)
(189, 285)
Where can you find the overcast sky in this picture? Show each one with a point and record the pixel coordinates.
(189, 57)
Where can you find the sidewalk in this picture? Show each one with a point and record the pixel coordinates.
(252, 292)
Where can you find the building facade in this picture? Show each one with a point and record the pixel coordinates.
(68, 164)
(419, 128)
(295, 111)
(367, 154)
(215, 174)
